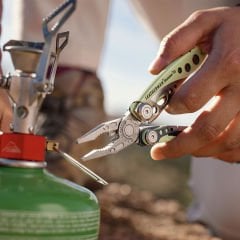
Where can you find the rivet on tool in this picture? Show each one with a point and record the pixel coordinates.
(129, 130)
(145, 110)
(151, 137)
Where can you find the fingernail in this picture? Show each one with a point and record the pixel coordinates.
(156, 153)
(157, 65)
(153, 67)
(171, 109)
(176, 107)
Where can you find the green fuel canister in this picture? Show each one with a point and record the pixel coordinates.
(35, 204)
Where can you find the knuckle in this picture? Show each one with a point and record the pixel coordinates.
(232, 144)
(208, 132)
(232, 60)
(190, 102)
(168, 43)
(199, 15)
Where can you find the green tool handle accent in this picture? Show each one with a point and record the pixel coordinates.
(150, 135)
(164, 85)
(181, 68)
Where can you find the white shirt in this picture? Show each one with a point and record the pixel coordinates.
(86, 25)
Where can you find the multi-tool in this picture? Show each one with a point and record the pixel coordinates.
(135, 126)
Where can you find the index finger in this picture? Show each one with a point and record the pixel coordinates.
(183, 38)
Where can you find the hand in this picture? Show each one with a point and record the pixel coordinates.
(216, 132)
(5, 112)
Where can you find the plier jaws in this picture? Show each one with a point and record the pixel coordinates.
(106, 127)
(122, 131)
(111, 148)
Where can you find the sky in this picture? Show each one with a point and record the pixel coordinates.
(129, 49)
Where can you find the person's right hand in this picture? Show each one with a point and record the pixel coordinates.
(216, 132)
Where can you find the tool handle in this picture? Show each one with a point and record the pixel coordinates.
(150, 135)
(159, 92)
